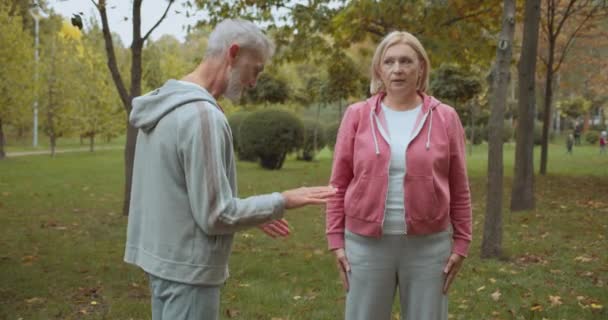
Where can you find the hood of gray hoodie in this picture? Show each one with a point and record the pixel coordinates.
(153, 106)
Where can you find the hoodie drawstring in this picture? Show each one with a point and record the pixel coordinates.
(428, 135)
(371, 121)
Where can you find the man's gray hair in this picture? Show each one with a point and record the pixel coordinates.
(241, 32)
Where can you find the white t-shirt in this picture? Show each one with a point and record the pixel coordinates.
(400, 128)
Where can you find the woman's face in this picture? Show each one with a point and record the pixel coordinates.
(400, 69)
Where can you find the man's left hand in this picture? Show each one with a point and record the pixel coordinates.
(276, 228)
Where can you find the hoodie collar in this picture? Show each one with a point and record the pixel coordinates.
(429, 104)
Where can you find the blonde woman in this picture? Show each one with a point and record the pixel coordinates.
(401, 216)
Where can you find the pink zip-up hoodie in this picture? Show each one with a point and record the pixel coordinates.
(436, 186)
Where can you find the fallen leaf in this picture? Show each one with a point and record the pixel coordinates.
(582, 259)
(481, 288)
(596, 306)
(297, 298)
(496, 295)
(231, 313)
(492, 280)
(536, 307)
(35, 300)
(555, 300)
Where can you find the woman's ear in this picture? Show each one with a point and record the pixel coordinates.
(233, 52)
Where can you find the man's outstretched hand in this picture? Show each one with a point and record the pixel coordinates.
(300, 197)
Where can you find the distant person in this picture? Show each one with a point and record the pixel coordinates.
(569, 143)
(603, 138)
(577, 134)
(184, 207)
(401, 216)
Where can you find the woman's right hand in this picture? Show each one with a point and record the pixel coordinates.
(343, 266)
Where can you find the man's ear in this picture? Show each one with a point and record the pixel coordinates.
(233, 52)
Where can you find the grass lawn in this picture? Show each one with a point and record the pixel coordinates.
(63, 235)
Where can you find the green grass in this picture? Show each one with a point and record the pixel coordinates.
(63, 236)
(25, 144)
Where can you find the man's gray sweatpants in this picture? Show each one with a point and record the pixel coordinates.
(180, 301)
(414, 264)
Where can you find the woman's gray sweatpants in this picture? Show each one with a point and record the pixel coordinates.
(414, 264)
(180, 301)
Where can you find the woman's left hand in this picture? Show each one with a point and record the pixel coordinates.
(451, 269)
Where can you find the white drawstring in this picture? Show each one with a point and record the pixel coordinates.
(428, 135)
(371, 121)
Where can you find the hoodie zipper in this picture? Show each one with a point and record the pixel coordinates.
(384, 135)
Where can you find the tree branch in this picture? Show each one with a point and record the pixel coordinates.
(471, 15)
(572, 37)
(159, 21)
(112, 64)
(565, 17)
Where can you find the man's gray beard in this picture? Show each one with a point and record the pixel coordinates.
(234, 90)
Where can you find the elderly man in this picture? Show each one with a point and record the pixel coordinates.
(184, 207)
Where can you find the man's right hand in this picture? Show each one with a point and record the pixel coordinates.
(300, 197)
(343, 266)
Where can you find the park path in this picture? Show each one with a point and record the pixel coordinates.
(48, 152)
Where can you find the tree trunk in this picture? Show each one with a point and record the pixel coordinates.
(544, 153)
(586, 121)
(491, 246)
(53, 141)
(92, 142)
(136, 73)
(471, 129)
(129, 157)
(522, 193)
(315, 141)
(2, 141)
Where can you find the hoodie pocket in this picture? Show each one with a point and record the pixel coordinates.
(420, 197)
(365, 201)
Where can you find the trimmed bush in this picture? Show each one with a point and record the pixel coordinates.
(308, 146)
(507, 132)
(480, 134)
(592, 136)
(270, 135)
(235, 121)
(331, 133)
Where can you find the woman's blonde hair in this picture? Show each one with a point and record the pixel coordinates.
(391, 39)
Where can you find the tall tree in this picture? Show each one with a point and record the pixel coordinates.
(343, 78)
(97, 114)
(491, 246)
(458, 87)
(16, 73)
(136, 77)
(321, 25)
(556, 15)
(522, 193)
(62, 86)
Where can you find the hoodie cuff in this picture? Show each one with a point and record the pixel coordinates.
(461, 247)
(278, 210)
(335, 240)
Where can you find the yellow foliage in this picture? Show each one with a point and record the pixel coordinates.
(68, 31)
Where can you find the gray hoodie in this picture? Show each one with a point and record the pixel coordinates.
(184, 206)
